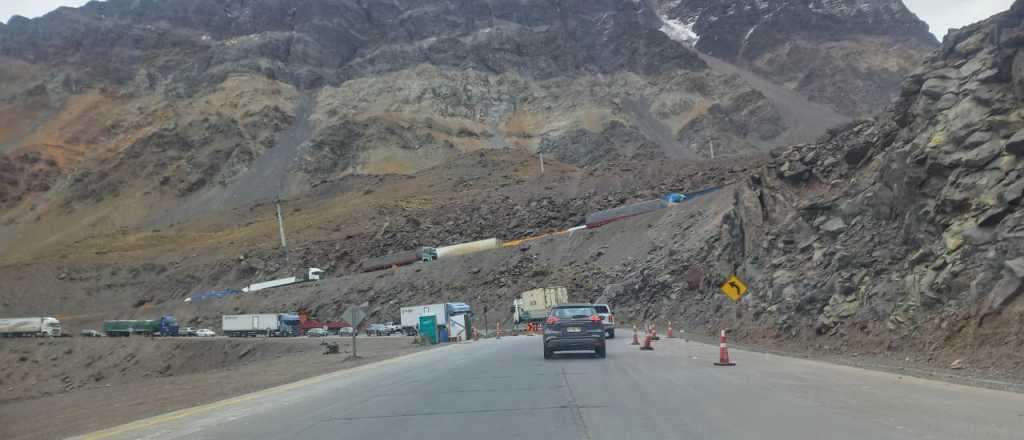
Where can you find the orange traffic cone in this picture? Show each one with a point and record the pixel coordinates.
(647, 343)
(497, 331)
(654, 332)
(670, 329)
(723, 352)
(476, 334)
(636, 340)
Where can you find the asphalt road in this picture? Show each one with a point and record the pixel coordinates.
(504, 389)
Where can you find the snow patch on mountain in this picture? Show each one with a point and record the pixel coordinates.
(681, 31)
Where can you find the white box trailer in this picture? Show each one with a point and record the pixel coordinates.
(310, 274)
(533, 305)
(33, 326)
(411, 316)
(250, 325)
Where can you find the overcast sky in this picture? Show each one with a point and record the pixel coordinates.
(940, 14)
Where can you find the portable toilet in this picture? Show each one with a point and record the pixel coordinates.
(428, 328)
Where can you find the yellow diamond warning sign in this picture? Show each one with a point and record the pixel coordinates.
(734, 288)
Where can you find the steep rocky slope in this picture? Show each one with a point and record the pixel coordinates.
(849, 54)
(123, 114)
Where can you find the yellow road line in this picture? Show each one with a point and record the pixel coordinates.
(161, 419)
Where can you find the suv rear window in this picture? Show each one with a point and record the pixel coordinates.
(601, 309)
(574, 312)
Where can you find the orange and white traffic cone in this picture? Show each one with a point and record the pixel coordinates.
(497, 331)
(670, 329)
(636, 340)
(723, 352)
(647, 343)
(654, 332)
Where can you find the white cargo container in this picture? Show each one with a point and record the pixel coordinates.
(411, 316)
(468, 248)
(33, 326)
(533, 305)
(250, 325)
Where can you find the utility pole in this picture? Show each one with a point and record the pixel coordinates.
(542, 164)
(712, 149)
(280, 227)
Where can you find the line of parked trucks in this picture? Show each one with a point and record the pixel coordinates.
(453, 320)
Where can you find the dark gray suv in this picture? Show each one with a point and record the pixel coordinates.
(571, 327)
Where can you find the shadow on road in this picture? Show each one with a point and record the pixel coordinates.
(574, 355)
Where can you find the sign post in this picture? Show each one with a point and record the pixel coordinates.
(734, 288)
(355, 315)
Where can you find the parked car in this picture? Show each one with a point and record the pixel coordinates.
(346, 331)
(377, 330)
(571, 327)
(607, 318)
(91, 334)
(205, 333)
(187, 331)
(316, 332)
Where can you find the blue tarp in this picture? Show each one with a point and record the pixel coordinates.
(458, 308)
(213, 294)
(675, 198)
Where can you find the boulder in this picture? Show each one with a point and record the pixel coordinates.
(1015, 266)
(936, 87)
(833, 225)
(1015, 145)
(982, 155)
(947, 101)
(976, 140)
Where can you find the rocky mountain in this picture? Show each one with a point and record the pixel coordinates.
(132, 113)
(143, 143)
(848, 54)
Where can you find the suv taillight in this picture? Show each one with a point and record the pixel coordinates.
(552, 320)
(596, 318)
(611, 318)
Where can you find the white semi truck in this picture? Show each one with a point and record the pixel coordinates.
(260, 324)
(15, 327)
(311, 274)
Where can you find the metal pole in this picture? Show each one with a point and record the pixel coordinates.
(280, 227)
(542, 164)
(712, 149)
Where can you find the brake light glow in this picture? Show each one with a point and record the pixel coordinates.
(596, 318)
(551, 320)
(611, 318)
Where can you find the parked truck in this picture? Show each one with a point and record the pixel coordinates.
(261, 324)
(18, 327)
(310, 274)
(165, 326)
(410, 316)
(533, 305)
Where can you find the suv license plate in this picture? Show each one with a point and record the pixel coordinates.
(573, 329)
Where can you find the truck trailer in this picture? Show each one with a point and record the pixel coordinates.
(410, 316)
(310, 274)
(20, 327)
(534, 305)
(261, 324)
(165, 326)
